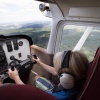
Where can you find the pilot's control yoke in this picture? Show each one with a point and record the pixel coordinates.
(22, 65)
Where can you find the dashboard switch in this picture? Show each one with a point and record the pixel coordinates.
(9, 46)
(15, 43)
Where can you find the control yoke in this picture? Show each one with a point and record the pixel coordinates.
(24, 65)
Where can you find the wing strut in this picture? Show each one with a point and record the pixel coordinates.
(83, 38)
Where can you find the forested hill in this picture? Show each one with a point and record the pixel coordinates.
(38, 31)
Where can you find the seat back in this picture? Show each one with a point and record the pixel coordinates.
(91, 87)
(23, 92)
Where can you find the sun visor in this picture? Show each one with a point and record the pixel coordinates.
(84, 12)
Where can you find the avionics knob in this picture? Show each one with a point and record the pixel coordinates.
(12, 57)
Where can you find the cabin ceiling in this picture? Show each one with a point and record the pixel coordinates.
(78, 9)
(65, 4)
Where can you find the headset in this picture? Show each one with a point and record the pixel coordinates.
(67, 80)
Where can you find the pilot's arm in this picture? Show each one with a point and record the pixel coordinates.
(15, 76)
(45, 66)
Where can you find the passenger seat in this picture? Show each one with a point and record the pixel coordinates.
(91, 88)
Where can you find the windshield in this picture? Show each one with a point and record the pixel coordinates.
(24, 17)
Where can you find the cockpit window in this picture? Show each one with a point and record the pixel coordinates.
(24, 17)
(71, 36)
(92, 43)
(73, 33)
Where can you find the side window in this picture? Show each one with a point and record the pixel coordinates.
(92, 43)
(24, 17)
(72, 34)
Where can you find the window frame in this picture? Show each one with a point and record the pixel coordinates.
(60, 27)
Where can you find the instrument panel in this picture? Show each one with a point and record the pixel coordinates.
(15, 52)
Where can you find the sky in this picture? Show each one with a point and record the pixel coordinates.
(20, 11)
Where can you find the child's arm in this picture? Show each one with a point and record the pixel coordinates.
(46, 67)
(15, 76)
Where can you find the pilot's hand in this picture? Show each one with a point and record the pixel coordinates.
(13, 74)
(37, 60)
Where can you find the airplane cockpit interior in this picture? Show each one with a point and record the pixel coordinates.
(42, 28)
